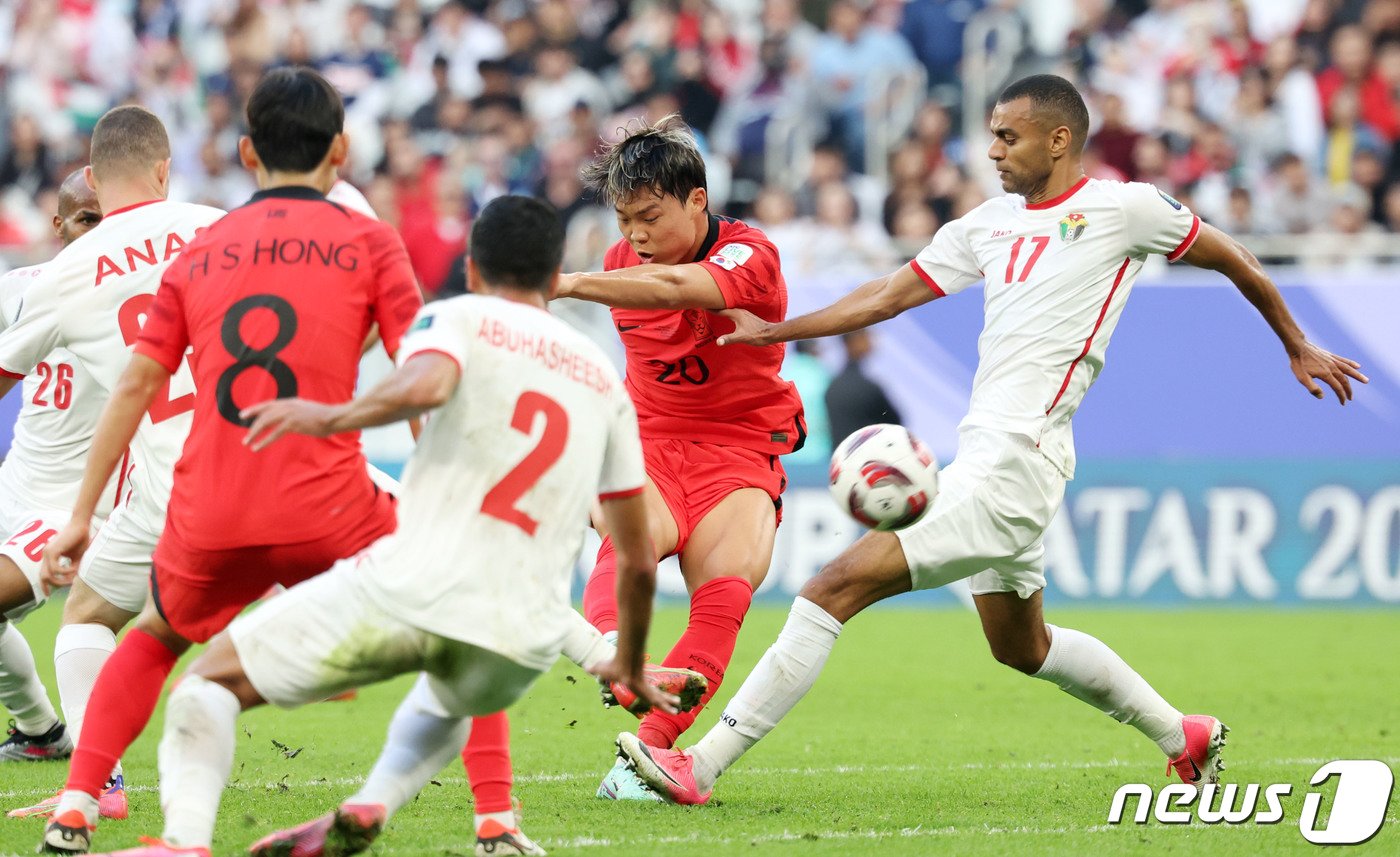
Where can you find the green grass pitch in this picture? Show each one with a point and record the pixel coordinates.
(914, 742)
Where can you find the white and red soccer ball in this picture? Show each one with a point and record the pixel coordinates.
(884, 477)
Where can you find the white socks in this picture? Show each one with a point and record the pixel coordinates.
(423, 738)
(21, 691)
(585, 645)
(196, 756)
(1091, 672)
(782, 677)
(79, 651)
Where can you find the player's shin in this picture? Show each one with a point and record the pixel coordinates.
(21, 691)
(717, 611)
(79, 651)
(782, 677)
(423, 737)
(1091, 672)
(196, 756)
(585, 645)
(600, 593)
(126, 694)
(487, 760)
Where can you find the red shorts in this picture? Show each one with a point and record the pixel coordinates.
(199, 592)
(694, 477)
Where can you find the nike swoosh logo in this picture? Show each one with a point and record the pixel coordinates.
(1195, 771)
(623, 328)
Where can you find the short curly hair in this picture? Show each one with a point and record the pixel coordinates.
(661, 157)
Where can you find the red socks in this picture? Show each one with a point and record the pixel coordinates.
(123, 700)
(716, 612)
(487, 760)
(600, 593)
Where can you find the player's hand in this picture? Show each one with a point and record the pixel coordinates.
(62, 555)
(1336, 372)
(648, 697)
(276, 417)
(749, 329)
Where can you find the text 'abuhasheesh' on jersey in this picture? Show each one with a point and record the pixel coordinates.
(497, 493)
(1058, 274)
(685, 385)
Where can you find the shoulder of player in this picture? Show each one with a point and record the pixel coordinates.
(619, 255)
(733, 231)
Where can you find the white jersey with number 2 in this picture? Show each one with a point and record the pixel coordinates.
(92, 300)
(1057, 276)
(496, 497)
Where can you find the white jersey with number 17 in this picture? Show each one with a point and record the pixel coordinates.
(92, 300)
(1058, 274)
(496, 496)
(53, 432)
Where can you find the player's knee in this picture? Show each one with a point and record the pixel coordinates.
(1023, 656)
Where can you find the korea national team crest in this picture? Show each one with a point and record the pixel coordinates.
(1072, 226)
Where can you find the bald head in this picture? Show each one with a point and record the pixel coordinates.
(78, 210)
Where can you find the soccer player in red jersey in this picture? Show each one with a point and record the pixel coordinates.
(276, 300)
(713, 421)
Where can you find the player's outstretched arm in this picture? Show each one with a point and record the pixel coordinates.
(688, 286)
(425, 381)
(133, 394)
(626, 521)
(1216, 251)
(868, 304)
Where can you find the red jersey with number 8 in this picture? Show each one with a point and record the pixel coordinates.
(276, 300)
(685, 386)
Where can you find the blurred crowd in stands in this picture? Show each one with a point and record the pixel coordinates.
(1269, 117)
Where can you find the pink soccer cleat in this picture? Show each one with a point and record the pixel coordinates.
(688, 685)
(348, 830)
(110, 804)
(1200, 763)
(152, 847)
(669, 772)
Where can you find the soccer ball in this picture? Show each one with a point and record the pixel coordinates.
(884, 477)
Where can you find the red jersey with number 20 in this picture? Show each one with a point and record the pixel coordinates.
(276, 300)
(687, 387)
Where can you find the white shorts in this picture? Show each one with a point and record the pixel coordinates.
(117, 564)
(994, 502)
(327, 635)
(26, 535)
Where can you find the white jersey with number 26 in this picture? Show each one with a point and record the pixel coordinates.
(1058, 274)
(496, 497)
(57, 416)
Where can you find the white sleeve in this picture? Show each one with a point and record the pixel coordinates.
(438, 327)
(1157, 224)
(33, 334)
(947, 265)
(624, 473)
(346, 194)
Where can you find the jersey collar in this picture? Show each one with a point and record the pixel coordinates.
(126, 208)
(1051, 203)
(711, 238)
(288, 192)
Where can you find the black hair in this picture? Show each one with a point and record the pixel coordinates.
(1057, 100)
(517, 242)
(662, 158)
(293, 115)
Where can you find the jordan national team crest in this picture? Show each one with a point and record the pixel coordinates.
(1072, 226)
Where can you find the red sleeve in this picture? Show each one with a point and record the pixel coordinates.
(746, 271)
(616, 257)
(165, 336)
(396, 299)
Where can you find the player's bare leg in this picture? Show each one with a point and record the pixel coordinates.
(871, 570)
(126, 691)
(1091, 672)
(600, 593)
(723, 562)
(37, 733)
